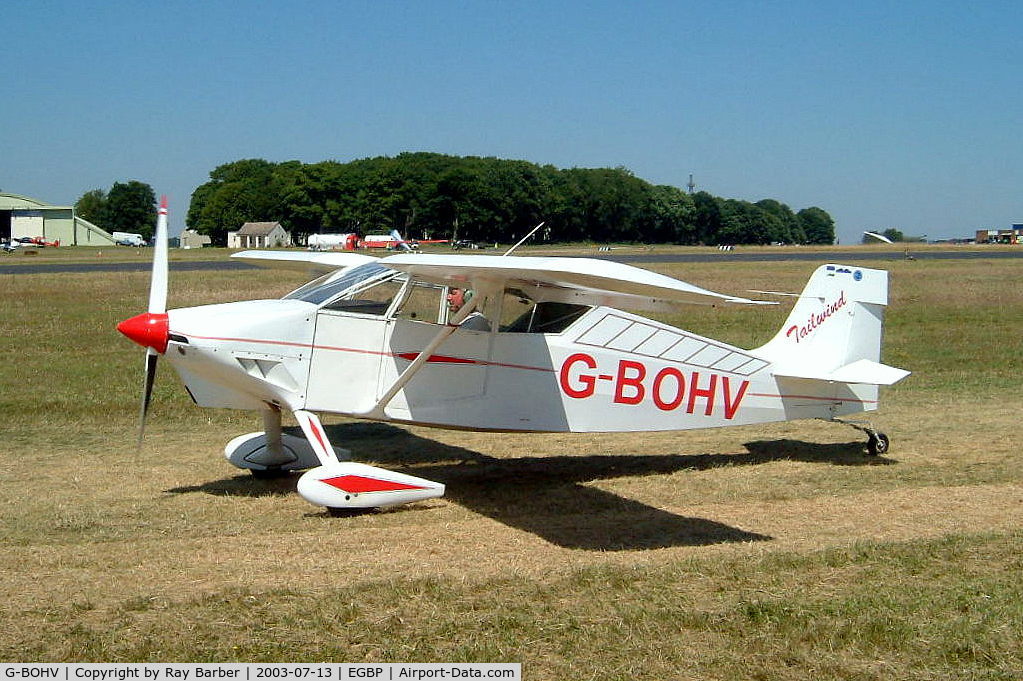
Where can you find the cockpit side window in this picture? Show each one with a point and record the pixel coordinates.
(422, 302)
(372, 298)
(514, 304)
(547, 317)
(519, 314)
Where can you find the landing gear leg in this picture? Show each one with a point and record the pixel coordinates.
(274, 443)
(272, 428)
(877, 442)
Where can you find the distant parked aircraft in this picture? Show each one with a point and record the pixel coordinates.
(879, 237)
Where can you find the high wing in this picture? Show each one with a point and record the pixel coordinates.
(312, 262)
(585, 281)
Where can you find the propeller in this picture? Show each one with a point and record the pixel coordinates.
(147, 392)
(152, 329)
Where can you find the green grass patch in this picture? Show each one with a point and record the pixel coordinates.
(865, 611)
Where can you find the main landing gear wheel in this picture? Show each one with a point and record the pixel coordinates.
(336, 512)
(877, 443)
(269, 473)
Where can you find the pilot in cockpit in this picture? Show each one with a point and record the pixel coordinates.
(457, 298)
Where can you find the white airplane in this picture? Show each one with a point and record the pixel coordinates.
(373, 338)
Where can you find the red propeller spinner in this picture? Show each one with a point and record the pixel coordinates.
(149, 329)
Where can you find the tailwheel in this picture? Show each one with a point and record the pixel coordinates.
(877, 443)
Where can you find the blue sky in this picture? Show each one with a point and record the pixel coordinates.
(903, 115)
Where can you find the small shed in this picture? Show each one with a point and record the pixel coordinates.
(259, 235)
(193, 239)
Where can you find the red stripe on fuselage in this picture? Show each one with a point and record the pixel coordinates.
(409, 356)
(439, 359)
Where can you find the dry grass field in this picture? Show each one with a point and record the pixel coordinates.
(774, 552)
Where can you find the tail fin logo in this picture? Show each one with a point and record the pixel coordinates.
(799, 333)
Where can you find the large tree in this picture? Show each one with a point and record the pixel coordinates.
(706, 218)
(817, 225)
(674, 212)
(130, 207)
(745, 223)
(791, 232)
(91, 206)
(238, 192)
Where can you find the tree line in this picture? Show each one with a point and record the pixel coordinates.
(437, 196)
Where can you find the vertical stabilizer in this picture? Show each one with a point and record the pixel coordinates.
(837, 320)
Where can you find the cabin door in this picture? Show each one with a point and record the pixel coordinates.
(348, 351)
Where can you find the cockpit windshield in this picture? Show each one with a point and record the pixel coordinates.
(326, 287)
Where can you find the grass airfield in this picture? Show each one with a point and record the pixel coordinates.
(769, 552)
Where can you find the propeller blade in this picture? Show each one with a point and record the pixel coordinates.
(158, 283)
(147, 391)
(157, 312)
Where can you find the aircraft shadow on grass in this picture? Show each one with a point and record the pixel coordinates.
(547, 496)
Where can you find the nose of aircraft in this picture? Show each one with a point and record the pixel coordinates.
(150, 330)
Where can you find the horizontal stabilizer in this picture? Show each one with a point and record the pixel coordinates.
(310, 261)
(861, 371)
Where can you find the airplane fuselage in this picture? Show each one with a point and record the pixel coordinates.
(608, 371)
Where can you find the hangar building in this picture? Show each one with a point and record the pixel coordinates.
(1001, 236)
(21, 216)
